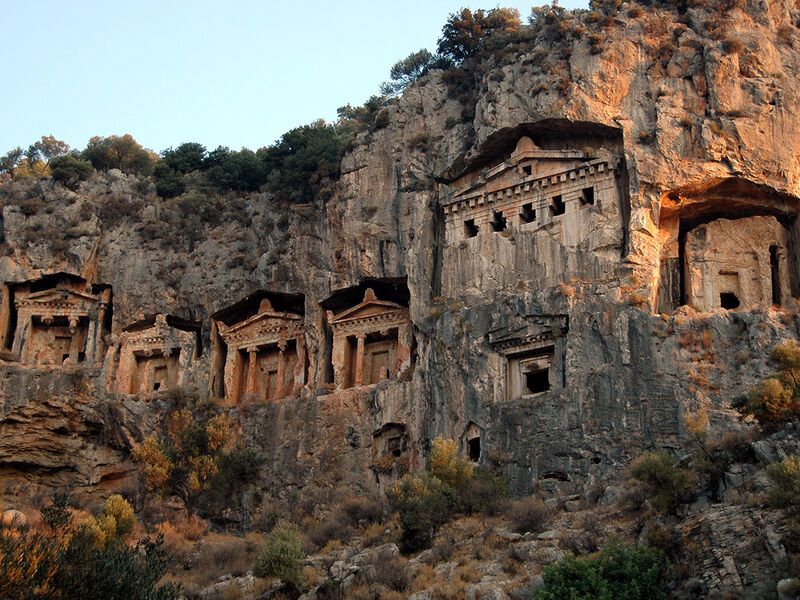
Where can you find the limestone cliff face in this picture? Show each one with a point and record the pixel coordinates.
(537, 341)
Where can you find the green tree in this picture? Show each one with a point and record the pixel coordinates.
(465, 32)
(119, 152)
(169, 182)
(303, 162)
(70, 169)
(242, 170)
(10, 160)
(185, 158)
(776, 400)
(406, 71)
(619, 572)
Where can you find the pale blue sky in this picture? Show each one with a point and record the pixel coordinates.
(237, 73)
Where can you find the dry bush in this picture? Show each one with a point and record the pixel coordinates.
(512, 566)
(441, 552)
(361, 510)
(192, 528)
(732, 46)
(392, 573)
(529, 515)
(425, 579)
(173, 539)
(329, 530)
(215, 558)
(470, 572)
(374, 535)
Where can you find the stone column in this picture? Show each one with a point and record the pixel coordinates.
(97, 349)
(233, 375)
(300, 364)
(279, 389)
(358, 378)
(405, 339)
(126, 371)
(145, 377)
(252, 362)
(24, 327)
(338, 359)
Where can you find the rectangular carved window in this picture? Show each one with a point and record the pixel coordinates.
(557, 206)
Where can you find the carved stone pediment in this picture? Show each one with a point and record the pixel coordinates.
(161, 335)
(267, 327)
(528, 333)
(370, 314)
(59, 301)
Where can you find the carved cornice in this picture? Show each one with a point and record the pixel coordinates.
(371, 323)
(596, 170)
(267, 333)
(535, 332)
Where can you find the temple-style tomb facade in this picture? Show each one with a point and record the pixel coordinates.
(60, 320)
(155, 354)
(371, 342)
(266, 355)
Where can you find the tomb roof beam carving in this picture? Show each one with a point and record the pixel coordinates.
(588, 173)
(370, 323)
(265, 337)
(529, 336)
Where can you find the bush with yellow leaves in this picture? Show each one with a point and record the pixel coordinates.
(186, 460)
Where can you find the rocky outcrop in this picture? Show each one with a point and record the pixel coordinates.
(535, 342)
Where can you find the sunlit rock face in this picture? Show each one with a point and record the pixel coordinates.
(551, 278)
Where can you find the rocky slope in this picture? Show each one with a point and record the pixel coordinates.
(698, 110)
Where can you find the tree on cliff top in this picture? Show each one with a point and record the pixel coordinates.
(304, 162)
(405, 71)
(119, 152)
(465, 32)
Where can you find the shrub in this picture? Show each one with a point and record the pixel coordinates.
(330, 529)
(69, 169)
(65, 563)
(448, 465)
(282, 555)
(118, 509)
(619, 572)
(360, 509)
(423, 504)
(666, 482)
(485, 493)
(776, 400)
(392, 573)
(786, 477)
(421, 142)
(529, 515)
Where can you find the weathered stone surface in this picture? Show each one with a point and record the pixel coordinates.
(688, 135)
(12, 519)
